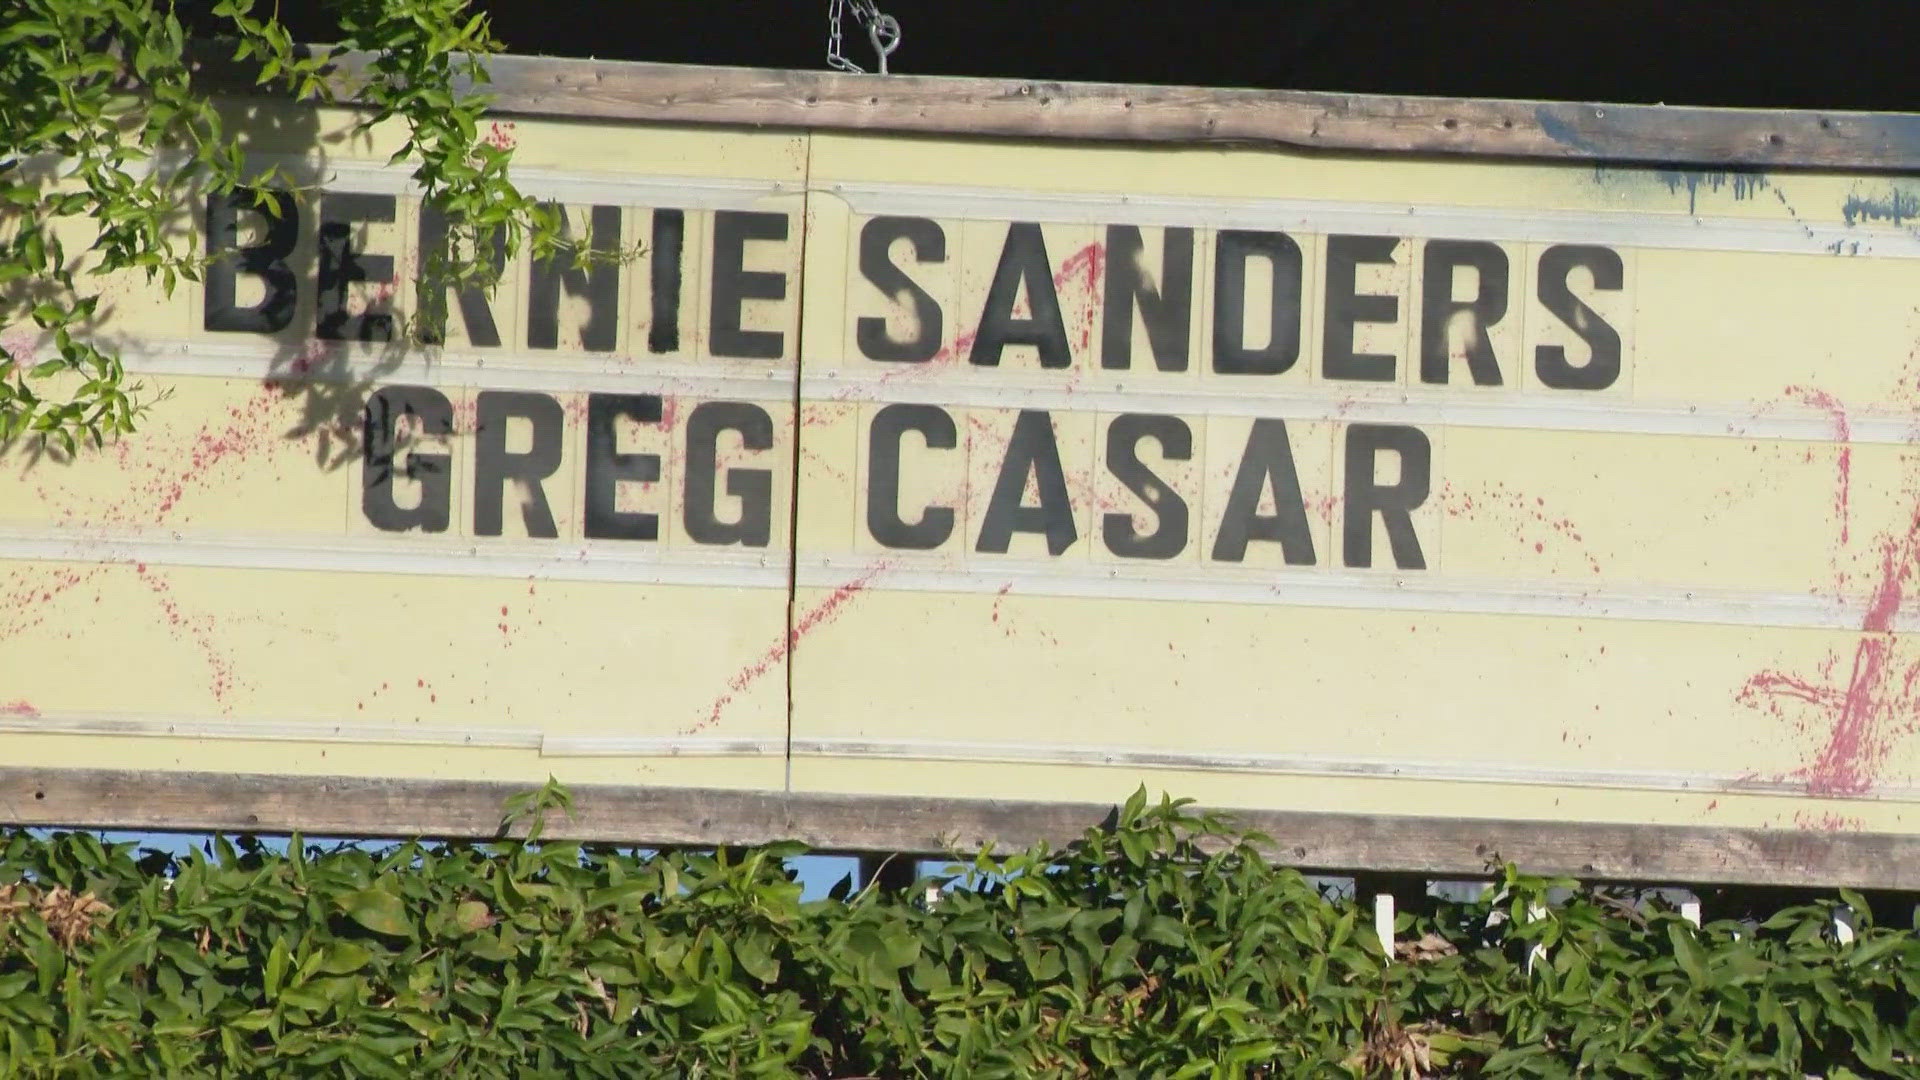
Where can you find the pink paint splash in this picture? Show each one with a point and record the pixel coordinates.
(22, 346)
(1009, 629)
(221, 680)
(500, 135)
(20, 708)
(1843, 433)
(804, 623)
(25, 594)
(1535, 526)
(1827, 822)
(1857, 720)
(1087, 263)
(157, 474)
(1863, 715)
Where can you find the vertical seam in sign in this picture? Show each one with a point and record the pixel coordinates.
(793, 489)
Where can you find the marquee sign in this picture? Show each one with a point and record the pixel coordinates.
(962, 469)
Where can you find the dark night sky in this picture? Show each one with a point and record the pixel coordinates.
(1759, 53)
(1779, 53)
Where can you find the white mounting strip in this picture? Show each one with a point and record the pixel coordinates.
(823, 384)
(965, 389)
(1308, 765)
(266, 729)
(597, 561)
(1331, 588)
(552, 745)
(573, 188)
(264, 359)
(681, 565)
(679, 746)
(1615, 227)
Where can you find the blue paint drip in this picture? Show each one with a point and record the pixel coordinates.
(1897, 207)
(1742, 184)
(1745, 185)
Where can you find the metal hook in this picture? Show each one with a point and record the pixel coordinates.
(884, 31)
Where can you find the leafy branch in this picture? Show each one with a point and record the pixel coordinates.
(106, 140)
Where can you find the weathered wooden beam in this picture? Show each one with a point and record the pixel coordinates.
(1434, 847)
(1026, 109)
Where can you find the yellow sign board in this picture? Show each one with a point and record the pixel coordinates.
(959, 468)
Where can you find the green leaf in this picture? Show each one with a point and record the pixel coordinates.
(750, 950)
(1687, 952)
(377, 910)
(276, 967)
(344, 958)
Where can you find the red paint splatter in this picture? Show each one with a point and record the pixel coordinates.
(315, 356)
(1842, 431)
(1012, 631)
(1827, 822)
(500, 135)
(1864, 715)
(26, 593)
(1856, 720)
(1529, 517)
(805, 623)
(1087, 263)
(20, 708)
(198, 629)
(156, 476)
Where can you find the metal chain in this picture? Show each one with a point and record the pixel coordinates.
(883, 31)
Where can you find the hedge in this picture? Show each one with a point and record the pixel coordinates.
(1161, 945)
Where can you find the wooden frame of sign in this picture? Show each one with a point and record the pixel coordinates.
(666, 816)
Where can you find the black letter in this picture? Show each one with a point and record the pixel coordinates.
(1023, 260)
(493, 465)
(607, 467)
(929, 244)
(1231, 251)
(266, 260)
(1550, 361)
(475, 312)
(1395, 503)
(341, 265)
(884, 522)
(1438, 307)
(599, 282)
(1266, 464)
(1166, 311)
(1031, 451)
(433, 471)
(669, 238)
(1123, 461)
(1346, 307)
(753, 487)
(732, 285)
